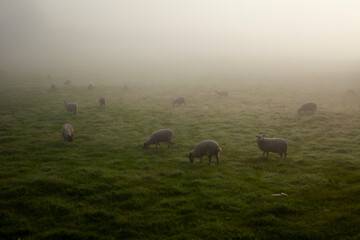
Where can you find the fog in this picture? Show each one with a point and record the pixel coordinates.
(181, 39)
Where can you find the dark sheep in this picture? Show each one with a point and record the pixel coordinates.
(102, 101)
(179, 101)
(308, 107)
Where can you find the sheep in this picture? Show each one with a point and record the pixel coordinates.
(308, 107)
(125, 87)
(71, 107)
(208, 148)
(90, 86)
(53, 86)
(67, 132)
(162, 135)
(179, 101)
(275, 145)
(102, 101)
(67, 82)
(222, 93)
(351, 92)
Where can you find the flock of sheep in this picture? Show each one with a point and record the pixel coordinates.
(207, 148)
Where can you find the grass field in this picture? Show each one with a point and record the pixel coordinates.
(104, 185)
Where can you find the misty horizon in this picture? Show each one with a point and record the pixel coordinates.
(179, 37)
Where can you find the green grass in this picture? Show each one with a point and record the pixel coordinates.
(104, 185)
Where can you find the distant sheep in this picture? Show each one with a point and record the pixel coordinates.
(222, 93)
(53, 86)
(179, 101)
(125, 87)
(275, 145)
(307, 107)
(67, 82)
(351, 92)
(102, 101)
(67, 132)
(71, 107)
(162, 135)
(208, 148)
(90, 86)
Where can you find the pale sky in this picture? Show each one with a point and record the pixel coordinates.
(81, 33)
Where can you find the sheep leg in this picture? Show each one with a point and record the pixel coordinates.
(267, 154)
(280, 156)
(201, 159)
(209, 160)
(263, 153)
(285, 156)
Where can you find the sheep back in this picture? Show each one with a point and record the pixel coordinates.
(179, 101)
(222, 93)
(307, 107)
(206, 147)
(162, 135)
(275, 145)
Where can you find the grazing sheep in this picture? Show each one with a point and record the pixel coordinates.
(67, 132)
(162, 135)
(208, 148)
(351, 92)
(102, 101)
(275, 145)
(179, 101)
(90, 86)
(125, 86)
(308, 107)
(67, 82)
(222, 93)
(71, 107)
(53, 86)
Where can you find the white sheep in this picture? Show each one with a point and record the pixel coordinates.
(102, 101)
(162, 135)
(67, 132)
(71, 107)
(179, 101)
(208, 148)
(275, 145)
(222, 93)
